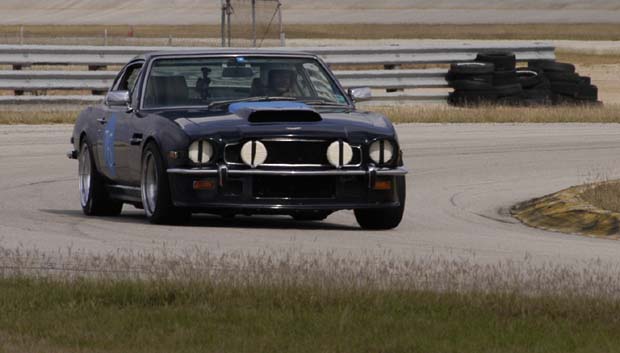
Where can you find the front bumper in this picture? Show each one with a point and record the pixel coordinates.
(285, 191)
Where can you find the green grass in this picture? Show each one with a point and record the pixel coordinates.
(155, 316)
(282, 302)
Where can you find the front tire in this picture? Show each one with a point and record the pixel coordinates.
(94, 198)
(155, 190)
(384, 218)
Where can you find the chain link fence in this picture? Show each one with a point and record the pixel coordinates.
(252, 23)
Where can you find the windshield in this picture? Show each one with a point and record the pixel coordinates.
(188, 82)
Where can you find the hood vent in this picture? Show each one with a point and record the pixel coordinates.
(284, 116)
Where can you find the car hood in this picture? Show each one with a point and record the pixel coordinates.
(237, 122)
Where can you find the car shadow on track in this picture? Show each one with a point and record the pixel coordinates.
(205, 220)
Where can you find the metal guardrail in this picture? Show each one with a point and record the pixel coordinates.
(390, 79)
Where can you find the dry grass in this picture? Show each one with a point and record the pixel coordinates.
(587, 59)
(594, 31)
(604, 195)
(35, 114)
(498, 114)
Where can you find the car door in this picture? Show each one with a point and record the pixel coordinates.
(118, 138)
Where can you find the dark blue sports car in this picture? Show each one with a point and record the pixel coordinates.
(237, 132)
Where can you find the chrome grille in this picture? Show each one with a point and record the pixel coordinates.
(283, 152)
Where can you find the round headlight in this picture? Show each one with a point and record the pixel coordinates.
(253, 153)
(339, 153)
(201, 151)
(381, 151)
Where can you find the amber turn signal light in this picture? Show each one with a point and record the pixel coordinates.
(209, 184)
(383, 185)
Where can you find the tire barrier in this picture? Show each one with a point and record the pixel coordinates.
(494, 78)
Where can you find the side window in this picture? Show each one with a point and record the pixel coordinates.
(129, 78)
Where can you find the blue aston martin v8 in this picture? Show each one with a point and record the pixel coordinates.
(237, 132)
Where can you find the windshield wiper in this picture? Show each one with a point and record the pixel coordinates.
(250, 99)
(324, 102)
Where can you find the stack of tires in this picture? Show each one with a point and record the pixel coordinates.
(493, 78)
(566, 86)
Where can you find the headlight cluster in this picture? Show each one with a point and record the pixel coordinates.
(339, 154)
(201, 152)
(381, 151)
(253, 153)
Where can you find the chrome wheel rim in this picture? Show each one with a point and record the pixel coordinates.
(149, 184)
(84, 175)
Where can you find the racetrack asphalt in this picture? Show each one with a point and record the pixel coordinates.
(463, 179)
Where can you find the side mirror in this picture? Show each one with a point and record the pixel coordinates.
(118, 98)
(360, 94)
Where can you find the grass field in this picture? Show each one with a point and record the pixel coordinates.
(203, 303)
(593, 31)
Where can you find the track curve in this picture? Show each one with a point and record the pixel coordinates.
(464, 178)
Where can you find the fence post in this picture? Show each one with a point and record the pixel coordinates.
(170, 40)
(105, 37)
(21, 35)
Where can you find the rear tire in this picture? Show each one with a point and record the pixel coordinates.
(94, 198)
(155, 190)
(384, 218)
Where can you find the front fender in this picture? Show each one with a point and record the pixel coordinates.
(168, 136)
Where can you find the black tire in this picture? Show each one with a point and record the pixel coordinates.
(536, 93)
(537, 100)
(312, 216)
(503, 61)
(472, 68)
(384, 218)
(94, 197)
(472, 98)
(486, 78)
(529, 78)
(551, 66)
(508, 90)
(503, 78)
(574, 90)
(471, 85)
(569, 77)
(155, 190)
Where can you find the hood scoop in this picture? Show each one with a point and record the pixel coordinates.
(275, 112)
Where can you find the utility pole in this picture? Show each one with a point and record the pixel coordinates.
(254, 23)
(228, 13)
(282, 35)
(223, 22)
